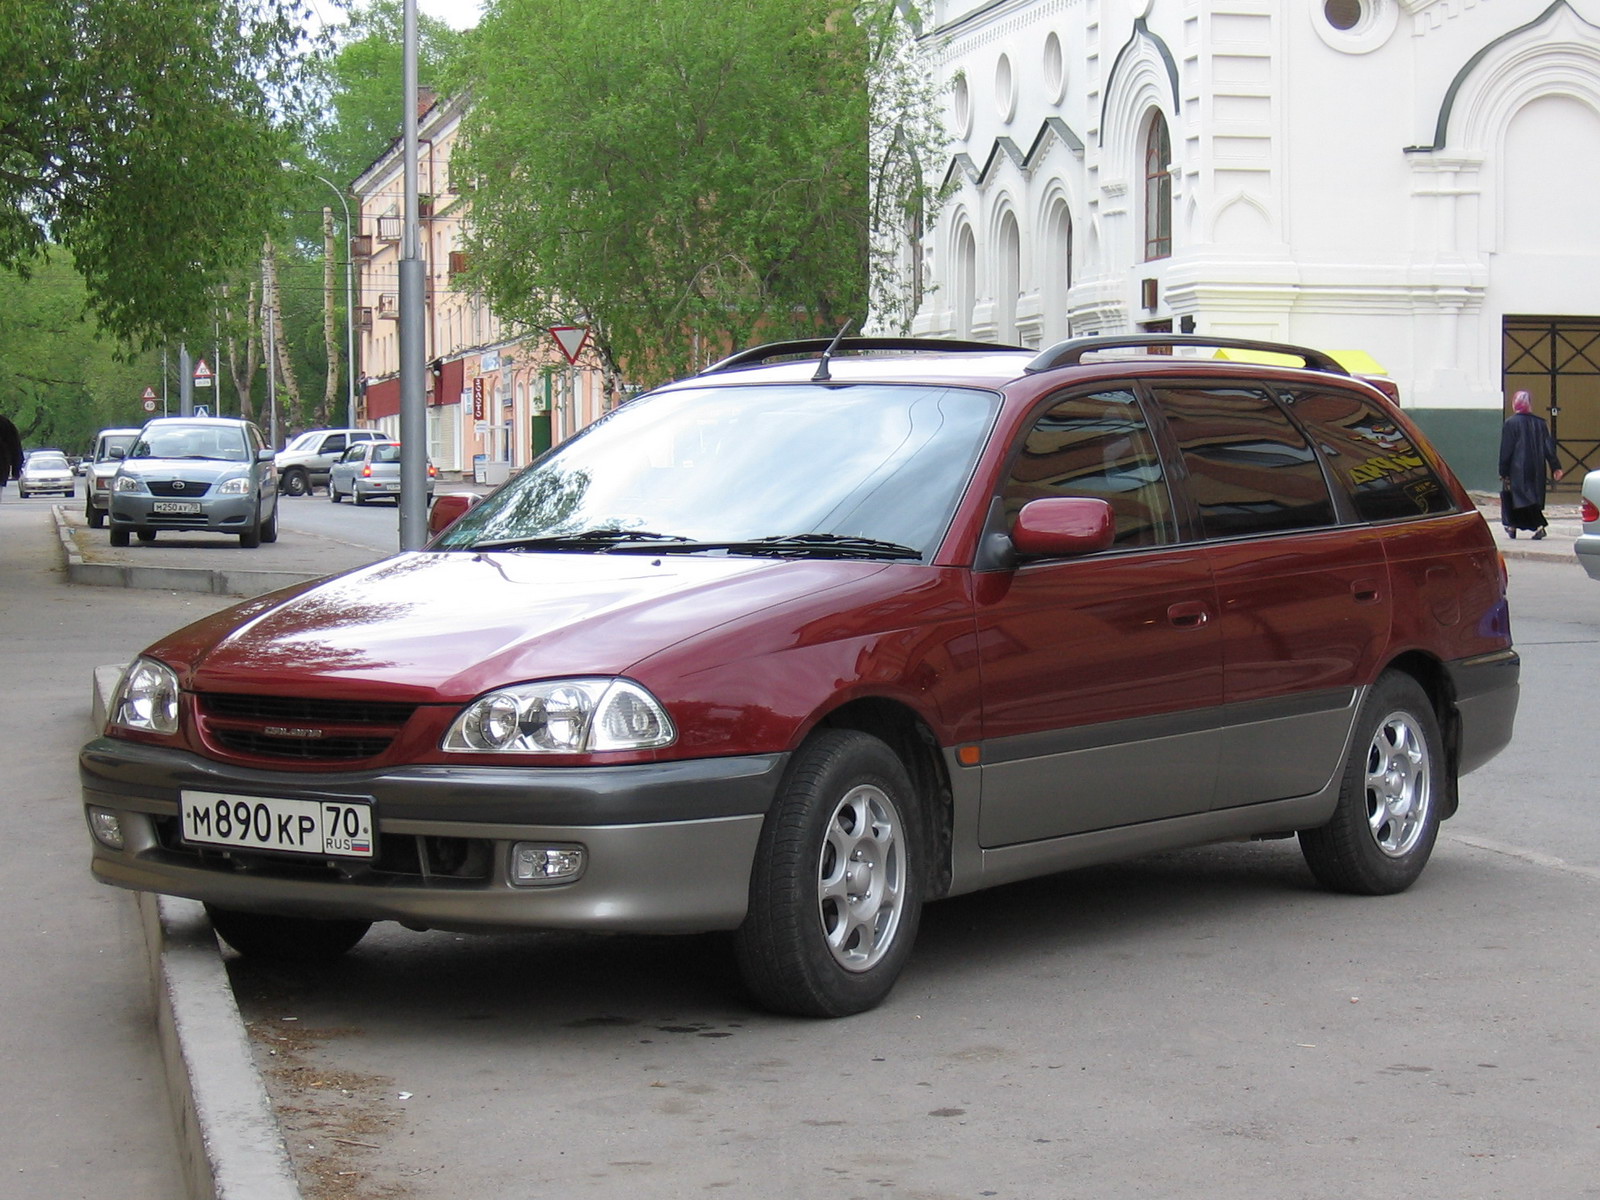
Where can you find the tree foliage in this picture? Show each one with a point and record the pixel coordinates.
(146, 138)
(61, 382)
(679, 176)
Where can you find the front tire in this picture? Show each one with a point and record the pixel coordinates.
(251, 538)
(146, 535)
(269, 527)
(285, 939)
(836, 890)
(1387, 819)
(119, 535)
(93, 515)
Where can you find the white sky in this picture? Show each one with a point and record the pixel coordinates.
(458, 14)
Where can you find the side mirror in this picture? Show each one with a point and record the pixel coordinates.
(1063, 527)
(117, 452)
(265, 455)
(448, 507)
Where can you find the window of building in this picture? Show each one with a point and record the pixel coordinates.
(1368, 452)
(1250, 469)
(1097, 445)
(966, 291)
(1009, 285)
(1157, 189)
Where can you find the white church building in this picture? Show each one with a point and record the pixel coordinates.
(1411, 184)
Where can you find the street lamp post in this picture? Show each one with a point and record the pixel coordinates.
(349, 301)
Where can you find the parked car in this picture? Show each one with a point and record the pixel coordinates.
(1588, 543)
(109, 447)
(827, 631)
(305, 462)
(369, 470)
(46, 472)
(196, 474)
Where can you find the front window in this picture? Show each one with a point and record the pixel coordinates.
(1157, 189)
(782, 469)
(182, 440)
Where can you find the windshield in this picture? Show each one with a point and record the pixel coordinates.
(119, 441)
(48, 462)
(733, 469)
(191, 441)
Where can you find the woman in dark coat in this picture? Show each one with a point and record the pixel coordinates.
(1526, 449)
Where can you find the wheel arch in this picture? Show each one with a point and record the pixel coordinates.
(1431, 675)
(912, 740)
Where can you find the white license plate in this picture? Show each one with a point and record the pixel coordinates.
(338, 828)
(187, 507)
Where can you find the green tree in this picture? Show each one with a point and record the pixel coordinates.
(679, 176)
(61, 380)
(146, 138)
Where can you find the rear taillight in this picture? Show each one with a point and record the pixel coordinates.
(1590, 512)
(433, 471)
(366, 471)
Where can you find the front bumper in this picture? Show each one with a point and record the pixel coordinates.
(669, 845)
(220, 514)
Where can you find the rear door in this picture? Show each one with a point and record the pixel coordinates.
(1303, 590)
(1102, 675)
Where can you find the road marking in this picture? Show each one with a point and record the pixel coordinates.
(1531, 856)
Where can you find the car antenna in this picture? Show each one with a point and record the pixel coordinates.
(822, 375)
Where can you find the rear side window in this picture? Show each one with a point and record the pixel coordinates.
(1250, 470)
(1371, 456)
(1097, 445)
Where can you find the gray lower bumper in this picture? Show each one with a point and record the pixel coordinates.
(668, 846)
(1588, 550)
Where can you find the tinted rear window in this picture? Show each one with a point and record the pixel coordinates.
(1371, 456)
(1250, 470)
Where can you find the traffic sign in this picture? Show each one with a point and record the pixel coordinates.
(149, 405)
(202, 374)
(202, 410)
(572, 339)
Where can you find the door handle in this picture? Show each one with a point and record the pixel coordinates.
(1191, 614)
(1365, 591)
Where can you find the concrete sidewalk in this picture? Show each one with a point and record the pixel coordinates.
(1566, 524)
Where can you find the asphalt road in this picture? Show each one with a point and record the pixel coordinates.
(1196, 1024)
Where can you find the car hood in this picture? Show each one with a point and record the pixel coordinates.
(440, 627)
(193, 470)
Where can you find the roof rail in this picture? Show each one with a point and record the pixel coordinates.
(1070, 352)
(817, 346)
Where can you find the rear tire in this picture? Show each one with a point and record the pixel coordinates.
(285, 939)
(358, 497)
(333, 492)
(1387, 818)
(836, 890)
(146, 535)
(119, 535)
(296, 483)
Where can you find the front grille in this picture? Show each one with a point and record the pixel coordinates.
(302, 729)
(440, 861)
(174, 489)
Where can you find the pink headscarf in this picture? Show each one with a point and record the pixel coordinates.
(1522, 402)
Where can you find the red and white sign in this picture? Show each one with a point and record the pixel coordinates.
(149, 406)
(202, 374)
(149, 399)
(477, 398)
(572, 339)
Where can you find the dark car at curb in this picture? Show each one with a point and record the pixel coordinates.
(830, 630)
(195, 475)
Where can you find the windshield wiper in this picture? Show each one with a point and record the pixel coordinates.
(797, 545)
(588, 539)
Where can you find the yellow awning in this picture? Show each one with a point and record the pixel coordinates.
(1357, 362)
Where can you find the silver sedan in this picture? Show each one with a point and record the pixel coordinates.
(1588, 544)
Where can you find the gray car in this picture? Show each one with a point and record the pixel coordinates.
(196, 474)
(368, 470)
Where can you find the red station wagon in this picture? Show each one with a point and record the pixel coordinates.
(831, 630)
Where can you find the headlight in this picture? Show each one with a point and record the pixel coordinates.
(234, 487)
(147, 698)
(564, 716)
(128, 483)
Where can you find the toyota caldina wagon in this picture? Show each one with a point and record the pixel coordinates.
(831, 630)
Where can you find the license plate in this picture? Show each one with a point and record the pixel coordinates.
(188, 507)
(337, 828)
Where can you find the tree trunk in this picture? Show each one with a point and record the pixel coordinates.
(330, 337)
(290, 402)
(244, 387)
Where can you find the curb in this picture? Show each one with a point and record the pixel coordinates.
(229, 1144)
(215, 582)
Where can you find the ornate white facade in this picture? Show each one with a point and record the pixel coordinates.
(1414, 179)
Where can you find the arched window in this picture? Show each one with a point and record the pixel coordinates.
(1058, 268)
(1157, 189)
(966, 280)
(1009, 285)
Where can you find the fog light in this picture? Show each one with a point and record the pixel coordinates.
(540, 862)
(107, 828)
